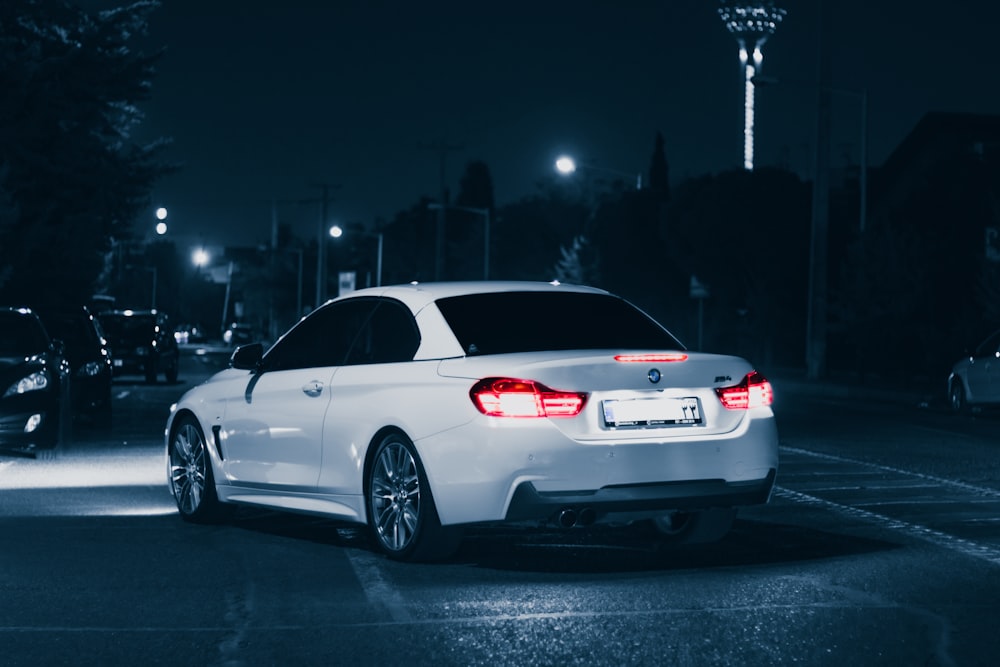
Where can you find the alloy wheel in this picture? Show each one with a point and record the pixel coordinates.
(395, 496)
(188, 468)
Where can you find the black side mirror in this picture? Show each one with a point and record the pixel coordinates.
(247, 357)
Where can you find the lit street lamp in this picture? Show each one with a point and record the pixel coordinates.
(485, 212)
(200, 258)
(161, 226)
(751, 23)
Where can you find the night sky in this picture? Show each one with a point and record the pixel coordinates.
(263, 99)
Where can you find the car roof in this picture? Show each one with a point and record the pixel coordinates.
(417, 295)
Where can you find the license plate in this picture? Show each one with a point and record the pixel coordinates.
(651, 412)
(118, 363)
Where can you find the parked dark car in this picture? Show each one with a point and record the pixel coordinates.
(142, 343)
(34, 384)
(89, 359)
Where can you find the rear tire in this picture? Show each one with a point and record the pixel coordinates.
(699, 527)
(402, 518)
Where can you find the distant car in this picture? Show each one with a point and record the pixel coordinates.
(238, 334)
(975, 379)
(186, 334)
(34, 383)
(89, 358)
(142, 342)
(418, 409)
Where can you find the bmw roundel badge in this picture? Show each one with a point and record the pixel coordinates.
(654, 375)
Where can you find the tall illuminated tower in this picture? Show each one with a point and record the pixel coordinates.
(751, 23)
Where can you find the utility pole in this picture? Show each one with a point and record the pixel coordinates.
(816, 328)
(442, 147)
(321, 233)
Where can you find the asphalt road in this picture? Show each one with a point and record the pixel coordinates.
(881, 546)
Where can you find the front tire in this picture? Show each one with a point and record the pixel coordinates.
(956, 397)
(402, 518)
(190, 469)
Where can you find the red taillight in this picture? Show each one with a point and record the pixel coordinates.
(754, 391)
(507, 397)
(664, 357)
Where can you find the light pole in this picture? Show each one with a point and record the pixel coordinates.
(155, 273)
(751, 23)
(566, 165)
(816, 312)
(485, 212)
(336, 231)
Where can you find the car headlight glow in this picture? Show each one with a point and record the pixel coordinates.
(33, 382)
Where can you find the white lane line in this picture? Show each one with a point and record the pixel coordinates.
(379, 592)
(950, 542)
(980, 490)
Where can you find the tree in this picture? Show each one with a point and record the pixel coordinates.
(72, 179)
(577, 264)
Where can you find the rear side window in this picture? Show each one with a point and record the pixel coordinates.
(389, 336)
(507, 322)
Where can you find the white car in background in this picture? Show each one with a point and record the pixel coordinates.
(975, 379)
(417, 409)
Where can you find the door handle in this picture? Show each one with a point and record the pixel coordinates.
(314, 388)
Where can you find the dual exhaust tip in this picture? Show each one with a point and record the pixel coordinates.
(569, 517)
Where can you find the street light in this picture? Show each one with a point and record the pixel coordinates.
(566, 165)
(161, 226)
(485, 212)
(336, 231)
(751, 23)
(200, 258)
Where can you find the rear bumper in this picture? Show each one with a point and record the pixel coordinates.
(530, 470)
(530, 504)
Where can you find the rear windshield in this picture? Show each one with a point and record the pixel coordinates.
(506, 322)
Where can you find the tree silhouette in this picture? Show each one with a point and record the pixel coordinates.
(71, 178)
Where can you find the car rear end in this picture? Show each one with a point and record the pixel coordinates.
(574, 426)
(594, 435)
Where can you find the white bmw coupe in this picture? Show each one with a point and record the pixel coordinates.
(417, 409)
